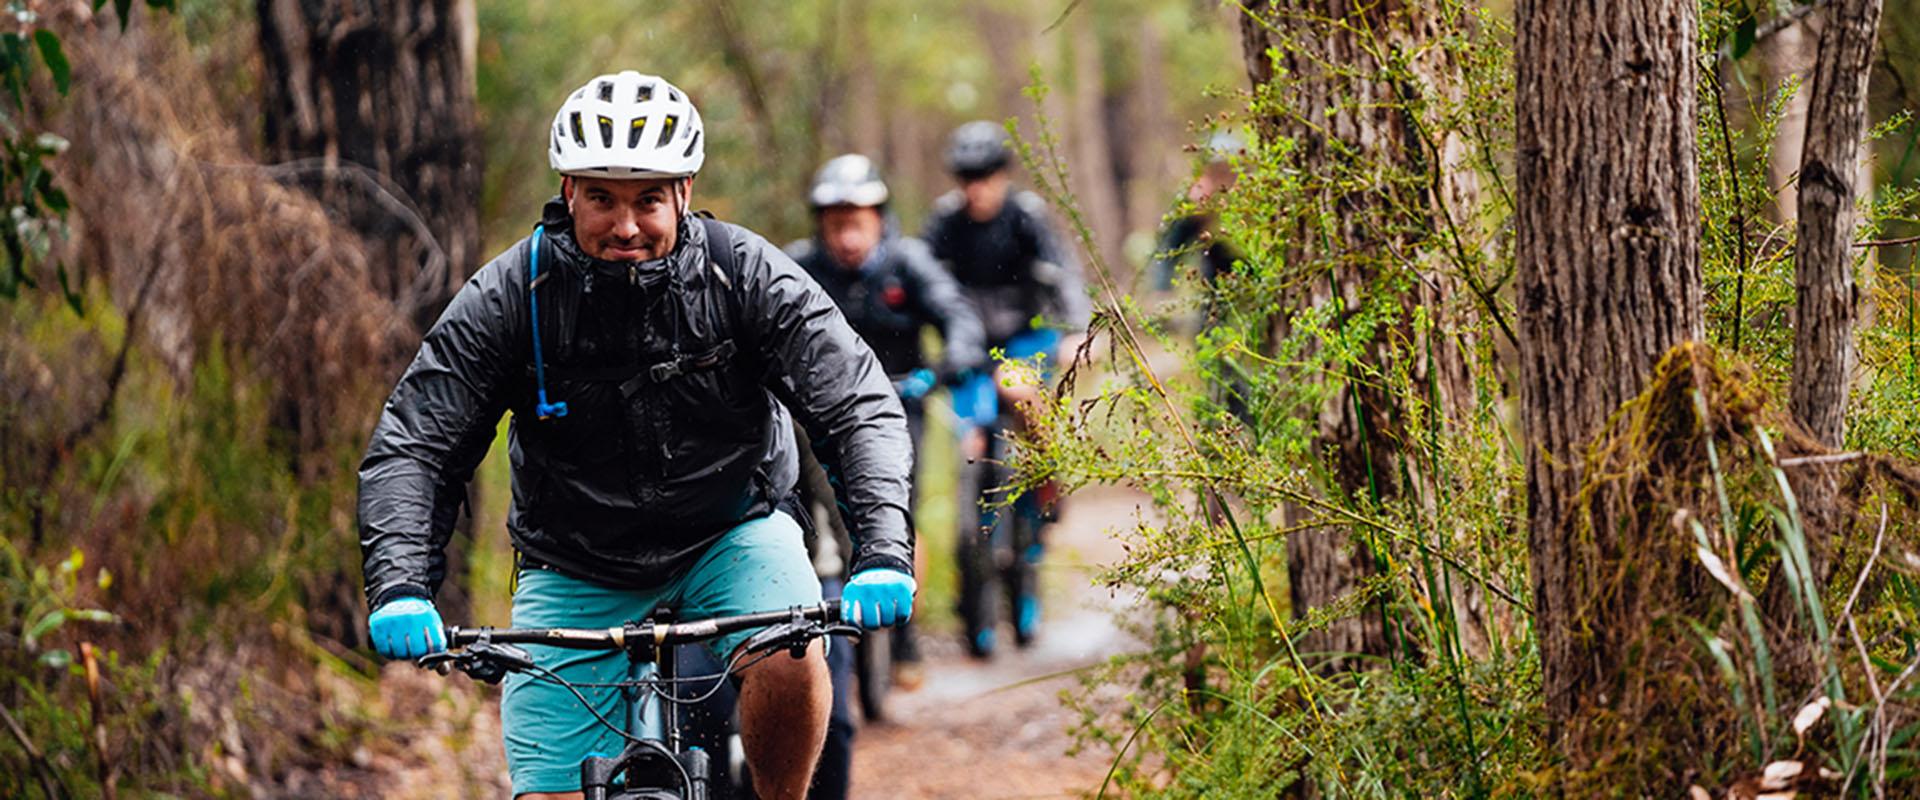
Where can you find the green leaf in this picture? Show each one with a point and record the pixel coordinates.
(55, 199)
(68, 292)
(91, 615)
(20, 65)
(1743, 36)
(56, 659)
(56, 58)
(44, 626)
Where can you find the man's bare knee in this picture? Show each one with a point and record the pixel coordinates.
(784, 705)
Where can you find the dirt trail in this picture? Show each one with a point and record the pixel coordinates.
(997, 729)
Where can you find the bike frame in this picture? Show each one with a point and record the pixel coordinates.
(653, 732)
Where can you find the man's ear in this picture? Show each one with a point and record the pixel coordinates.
(566, 192)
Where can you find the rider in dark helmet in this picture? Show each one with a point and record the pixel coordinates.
(1003, 250)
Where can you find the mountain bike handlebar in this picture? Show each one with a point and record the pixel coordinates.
(645, 633)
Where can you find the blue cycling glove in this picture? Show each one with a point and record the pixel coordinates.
(409, 627)
(877, 598)
(917, 384)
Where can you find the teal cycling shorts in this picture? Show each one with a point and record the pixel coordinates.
(761, 565)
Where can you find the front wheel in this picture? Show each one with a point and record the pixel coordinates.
(979, 600)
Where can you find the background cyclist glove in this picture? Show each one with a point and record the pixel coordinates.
(877, 598)
(409, 627)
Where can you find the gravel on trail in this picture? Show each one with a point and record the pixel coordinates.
(997, 729)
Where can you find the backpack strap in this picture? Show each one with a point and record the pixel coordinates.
(541, 409)
(720, 255)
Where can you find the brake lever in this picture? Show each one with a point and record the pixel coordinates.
(847, 629)
(773, 637)
(441, 662)
(483, 661)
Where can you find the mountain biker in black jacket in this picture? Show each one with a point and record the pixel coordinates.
(650, 359)
(1002, 249)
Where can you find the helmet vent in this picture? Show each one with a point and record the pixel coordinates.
(606, 91)
(673, 95)
(633, 131)
(666, 130)
(645, 93)
(606, 132)
(691, 143)
(579, 136)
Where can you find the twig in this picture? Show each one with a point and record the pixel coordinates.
(101, 759)
(1773, 26)
(383, 190)
(1888, 242)
(1739, 216)
(41, 769)
(1879, 699)
(1057, 21)
(1829, 458)
(1878, 539)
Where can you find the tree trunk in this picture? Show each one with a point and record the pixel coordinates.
(1325, 565)
(1823, 269)
(1151, 146)
(1826, 300)
(1097, 186)
(865, 125)
(1607, 223)
(371, 104)
(1418, 180)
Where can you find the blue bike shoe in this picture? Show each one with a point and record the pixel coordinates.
(981, 644)
(1026, 620)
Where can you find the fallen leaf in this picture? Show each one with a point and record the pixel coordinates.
(1810, 714)
(1779, 774)
(1718, 569)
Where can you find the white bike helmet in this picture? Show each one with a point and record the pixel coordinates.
(627, 125)
(849, 180)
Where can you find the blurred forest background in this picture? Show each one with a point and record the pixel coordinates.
(229, 223)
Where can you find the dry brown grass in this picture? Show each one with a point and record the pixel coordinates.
(207, 248)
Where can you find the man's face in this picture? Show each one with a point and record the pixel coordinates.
(985, 194)
(626, 220)
(850, 233)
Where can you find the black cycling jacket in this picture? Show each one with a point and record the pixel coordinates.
(678, 375)
(1010, 266)
(887, 299)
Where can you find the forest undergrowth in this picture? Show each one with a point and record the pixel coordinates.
(1226, 700)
